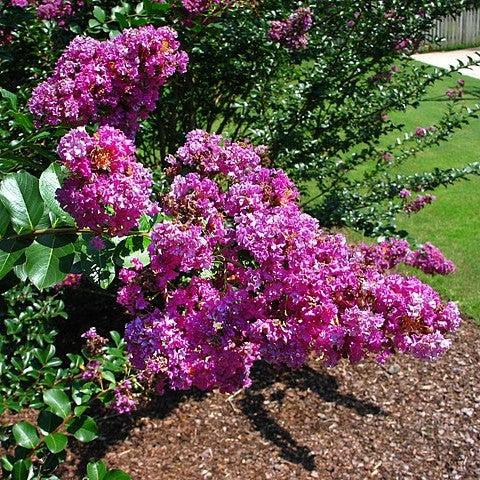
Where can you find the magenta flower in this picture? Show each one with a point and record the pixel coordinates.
(419, 203)
(115, 82)
(123, 401)
(292, 32)
(239, 273)
(107, 190)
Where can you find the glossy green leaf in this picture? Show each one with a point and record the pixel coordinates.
(11, 97)
(116, 337)
(109, 376)
(21, 470)
(99, 14)
(20, 195)
(11, 251)
(50, 181)
(6, 462)
(84, 429)
(48, 421)
(25, 435)
(96, 470)
(155, 7)
(50, 259)
(56, 442)
(20, 271)
(58, 402)
(117, 475)
(130, 248)
(98, 265)
(24, 121)
(4, 219)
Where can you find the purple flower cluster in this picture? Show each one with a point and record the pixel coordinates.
(421, 132)
(200, 6)
(107, 189)
(94, 341)
(123, 400)
(292, 32)
(238, 273)
(404, 44)
(419, 203)
(431, 260)
(390, 253)
(115, 82)
(58, 10)
(92, 370)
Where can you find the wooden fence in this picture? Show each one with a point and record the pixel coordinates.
(463, 30)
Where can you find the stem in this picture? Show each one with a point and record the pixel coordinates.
(67, 230)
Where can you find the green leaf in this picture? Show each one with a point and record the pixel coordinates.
(83, 428)
(121, 19)
(50, 259)
(50, 181)
(20, 194)
(25, 435)
(21, 470)
(96, 470)
(56, 442)
(7, 464)
(53, 460)
(24, 121)
(80, 410)
(21, 272)
(109, 376)
(4, 219)
(155, 7)
(98, 264)
(11, 251)
(130, 248)
(11, 97)
(58, 401)
(117, 475)
(48, 421)
(116, 337)
(99, 14)
(43, 356)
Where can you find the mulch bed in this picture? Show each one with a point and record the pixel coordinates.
(405, 420)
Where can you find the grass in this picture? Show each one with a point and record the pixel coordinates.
(453, 221)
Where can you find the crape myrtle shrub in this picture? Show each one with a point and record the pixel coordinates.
(316, 82)
(315, 102)
(209, 250)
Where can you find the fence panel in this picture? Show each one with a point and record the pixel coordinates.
(461, 30)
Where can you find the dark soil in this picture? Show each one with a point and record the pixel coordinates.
(406, 420)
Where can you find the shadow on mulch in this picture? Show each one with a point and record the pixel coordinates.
(304, 379)
(115, 430)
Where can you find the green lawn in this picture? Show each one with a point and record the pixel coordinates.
(453, 221)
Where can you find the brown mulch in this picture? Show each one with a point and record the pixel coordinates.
(406, 420)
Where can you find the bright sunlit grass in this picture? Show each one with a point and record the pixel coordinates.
(453, 221)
